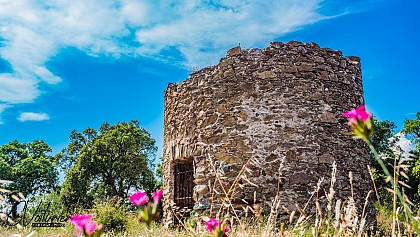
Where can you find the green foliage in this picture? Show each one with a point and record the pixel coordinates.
(76, 191)
(113, 215)
(384, 142)
(384, 220)
(68, 157)
(412, 129)
(159, 174)
(56, 206)
(30, 166)
(383, 131)
(107, 163)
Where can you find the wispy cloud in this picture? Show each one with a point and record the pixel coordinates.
(32, 32)
(204, 30)
(2, 108)
(31, 116)
(402, 143)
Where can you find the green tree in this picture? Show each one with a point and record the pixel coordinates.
(68, 156)
(383, 131)
(30, 166)
(159, 174)
(381, 140)
(107, 163)
(51, 201)
(412, 130)
(384, 141)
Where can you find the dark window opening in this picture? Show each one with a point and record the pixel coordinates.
(183, 189)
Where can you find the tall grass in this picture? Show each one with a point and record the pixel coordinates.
(332, 216)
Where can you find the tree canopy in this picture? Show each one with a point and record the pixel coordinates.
(412, 129)
(30, 166)
(106, 163)
(383, 131)
(385, 142)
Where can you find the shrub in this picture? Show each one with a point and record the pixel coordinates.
(112, 214)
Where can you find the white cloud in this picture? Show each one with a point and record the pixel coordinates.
(32, 32)
(31, 116)
(402, 143)
(203, 34)
(2, 108)
(16, 90)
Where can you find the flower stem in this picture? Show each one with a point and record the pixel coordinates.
(388, 174)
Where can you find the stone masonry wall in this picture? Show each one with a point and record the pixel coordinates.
(281, 107)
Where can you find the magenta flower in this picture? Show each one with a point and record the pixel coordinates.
(360, 122)
(148, 213)
(211, 224)
(139, 198)
(225, 231)
(218, 230)
(157, 195)
(80, 221)
(359, 113)
(81, 218)
(90, 227)
(84, 223)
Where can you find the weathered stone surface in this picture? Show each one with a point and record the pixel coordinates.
(228, 73)
(266, 74)
(326, 158)
(300, 178)
(279, 107)
(234, 51)
(229, 121)
(201, 189)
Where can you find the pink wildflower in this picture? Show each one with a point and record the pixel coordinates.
(360, 122)
(157, 195)
(90, 227)
(139, 198)
(225, 231)
(81, 218)
(83, 222)
(218, 229)
(359, 113)
(210, 224)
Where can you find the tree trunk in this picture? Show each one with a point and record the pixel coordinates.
(13, 211)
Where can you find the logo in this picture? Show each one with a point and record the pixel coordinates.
(43, 216)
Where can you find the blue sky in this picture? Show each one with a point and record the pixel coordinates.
(68, 65)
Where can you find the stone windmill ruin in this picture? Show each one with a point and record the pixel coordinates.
(277, 113)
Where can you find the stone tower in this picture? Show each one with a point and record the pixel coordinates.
(275, 113)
